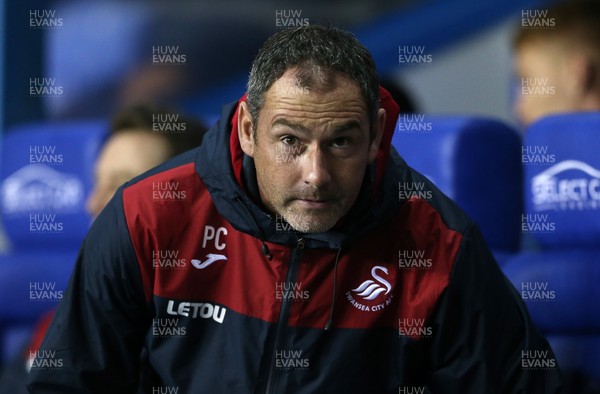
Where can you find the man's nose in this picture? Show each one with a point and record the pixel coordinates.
(315, 163)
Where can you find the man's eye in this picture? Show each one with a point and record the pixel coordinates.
(289, 140)
(341, 142)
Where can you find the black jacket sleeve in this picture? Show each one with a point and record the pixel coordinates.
(13, 375)
(94, 342)
(484, 340)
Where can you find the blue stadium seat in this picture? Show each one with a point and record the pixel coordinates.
(46, 173)
(476, 162)
(559, 280)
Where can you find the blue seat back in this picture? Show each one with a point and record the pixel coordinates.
(473, 160)
(562, 180)
(558, 278)
(46, 173)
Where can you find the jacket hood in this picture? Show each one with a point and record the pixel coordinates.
(230, 178)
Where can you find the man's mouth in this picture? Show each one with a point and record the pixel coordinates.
(314, 203)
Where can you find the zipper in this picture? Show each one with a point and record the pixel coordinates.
(284, 313)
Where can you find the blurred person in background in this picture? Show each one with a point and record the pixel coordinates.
(558, 64)
(140, 138)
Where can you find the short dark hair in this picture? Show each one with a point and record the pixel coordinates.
(314, 49)
(146, 118)
(575, 22)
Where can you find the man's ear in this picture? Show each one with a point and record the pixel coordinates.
(579, 75)
(584, 66)
(376, 134)
(245, 133)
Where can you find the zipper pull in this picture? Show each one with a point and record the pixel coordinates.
(300, 247)
(266, 251)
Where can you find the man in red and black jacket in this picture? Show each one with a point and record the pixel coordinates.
(280, 257)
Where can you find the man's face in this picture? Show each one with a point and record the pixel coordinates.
(124, 156)
(311, 150)
(544, 85)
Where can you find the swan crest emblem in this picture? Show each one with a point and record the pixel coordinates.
(371, 289)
